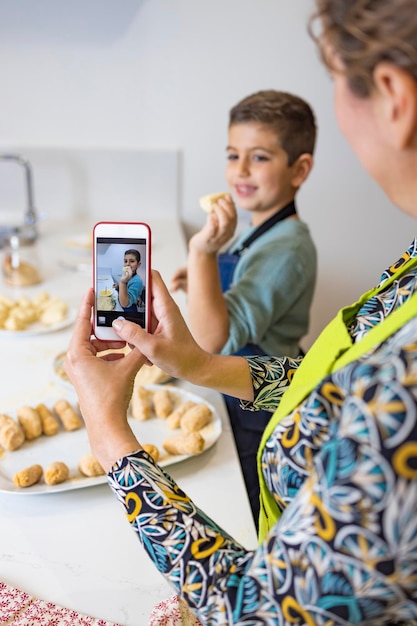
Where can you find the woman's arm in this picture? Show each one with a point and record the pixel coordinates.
(318, 562)
(339, 554)
(172, 347)
(104, 385)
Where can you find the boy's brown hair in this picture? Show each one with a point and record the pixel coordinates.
(289, 116)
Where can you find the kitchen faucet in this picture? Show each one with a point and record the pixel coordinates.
(27, 231)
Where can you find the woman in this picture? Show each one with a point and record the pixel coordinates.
(339, 456)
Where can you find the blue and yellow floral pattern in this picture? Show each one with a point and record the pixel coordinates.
(343, 468)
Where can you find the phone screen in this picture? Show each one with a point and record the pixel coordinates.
(121, 277)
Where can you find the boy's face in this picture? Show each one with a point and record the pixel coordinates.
(257, 170)
(131, 260)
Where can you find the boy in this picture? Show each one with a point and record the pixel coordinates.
(256, 297)
(130, 284)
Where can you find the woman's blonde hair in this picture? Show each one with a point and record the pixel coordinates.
(362, 33)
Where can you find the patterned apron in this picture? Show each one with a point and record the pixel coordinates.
(331, 351)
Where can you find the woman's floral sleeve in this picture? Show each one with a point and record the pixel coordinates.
(271, 377)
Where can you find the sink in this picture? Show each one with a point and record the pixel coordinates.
(26, 229)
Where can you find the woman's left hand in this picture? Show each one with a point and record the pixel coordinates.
(104, 386)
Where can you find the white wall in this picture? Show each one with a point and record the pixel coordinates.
(163, 74)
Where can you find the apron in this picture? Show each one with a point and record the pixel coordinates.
(331, 351)
(130, 309)
(248, 426)
(227, 262)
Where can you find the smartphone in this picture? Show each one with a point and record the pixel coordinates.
(121, 268)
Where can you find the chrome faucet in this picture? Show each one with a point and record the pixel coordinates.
(27, 230)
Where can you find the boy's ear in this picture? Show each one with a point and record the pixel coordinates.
(301, 169)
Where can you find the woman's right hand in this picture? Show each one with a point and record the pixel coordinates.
(170, 345)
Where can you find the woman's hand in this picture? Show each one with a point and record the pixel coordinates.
(170, 345)
(218, 229)
(104, 386)
(104, 383)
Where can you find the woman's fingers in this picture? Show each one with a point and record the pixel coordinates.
(170, 330)
(83, 327)
(83, 324)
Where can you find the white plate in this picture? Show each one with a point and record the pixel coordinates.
(69, 447)
(82, 264)
(40, 329)
(80, 243)
(77, 253)
(59, 372)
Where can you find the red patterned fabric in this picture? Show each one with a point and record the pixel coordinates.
(18, 608)
(173, 612)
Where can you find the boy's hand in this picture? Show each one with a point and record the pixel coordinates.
(219, 228)
(179, 280)
(127, 274)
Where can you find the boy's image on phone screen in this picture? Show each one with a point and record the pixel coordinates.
(121, 275)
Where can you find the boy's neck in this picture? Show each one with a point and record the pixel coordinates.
(259, 217)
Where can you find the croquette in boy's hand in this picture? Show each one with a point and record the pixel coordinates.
(207, 202)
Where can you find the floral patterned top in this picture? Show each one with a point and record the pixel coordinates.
(343, 469)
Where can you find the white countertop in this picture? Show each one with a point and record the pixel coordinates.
(75, 548)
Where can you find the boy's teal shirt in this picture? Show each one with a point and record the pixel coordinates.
(273, 285)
